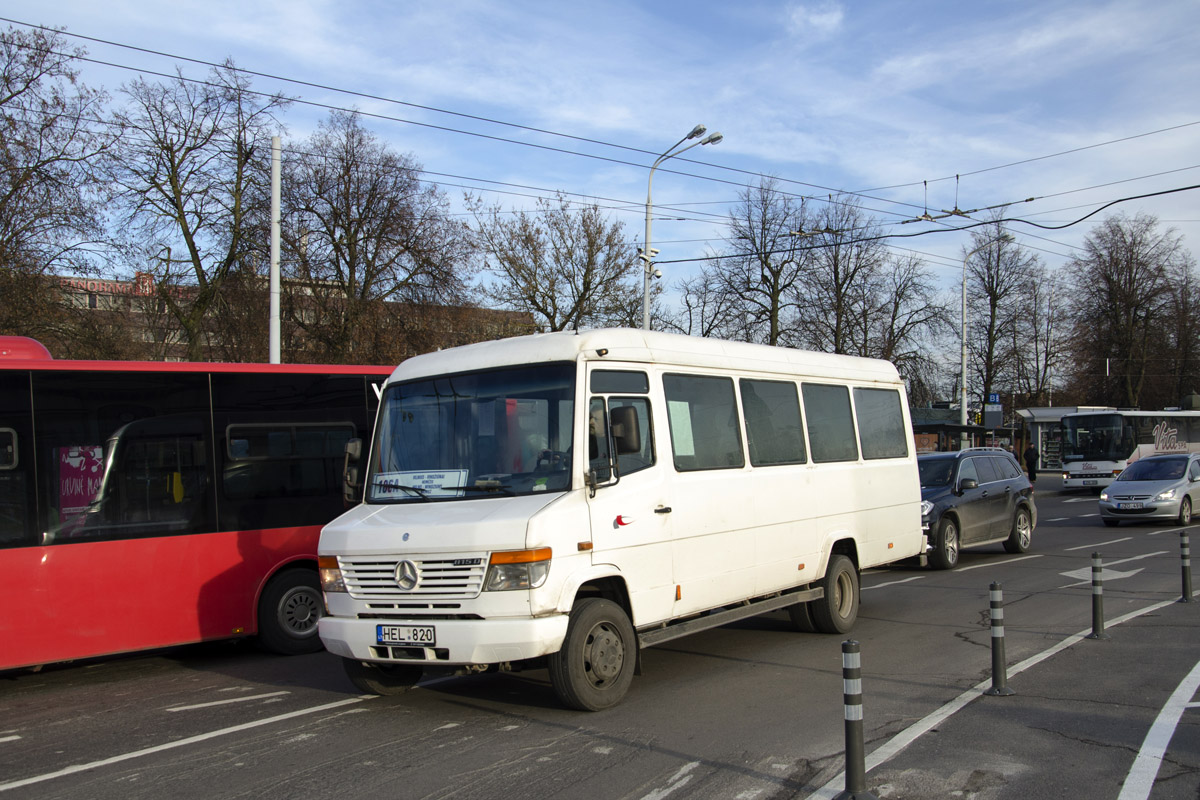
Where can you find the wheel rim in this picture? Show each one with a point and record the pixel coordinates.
(299, 610)
(843, 592)
(1024, 529)
(1185, 515)
(950, 544)
(603, 655)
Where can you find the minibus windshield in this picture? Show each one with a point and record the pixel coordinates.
(474, 435)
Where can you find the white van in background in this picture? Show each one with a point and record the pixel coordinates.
(566, 499)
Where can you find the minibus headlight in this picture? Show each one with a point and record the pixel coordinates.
(331, 574)
(517, 569)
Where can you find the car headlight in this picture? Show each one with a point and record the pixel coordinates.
(926, 508)
(1169, 494)
(1104, 495)
(517, 569)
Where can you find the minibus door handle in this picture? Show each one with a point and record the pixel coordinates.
(663, 510)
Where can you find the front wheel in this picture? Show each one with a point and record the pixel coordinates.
(945, 545)
(288, 612)
(382, 679)
(593, 669)
(837, 610)
(1185, 511)
(1022, 532)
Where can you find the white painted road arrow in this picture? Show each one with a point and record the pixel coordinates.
(1084, 576)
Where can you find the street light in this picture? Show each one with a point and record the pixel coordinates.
(962, 412)
(648, 252)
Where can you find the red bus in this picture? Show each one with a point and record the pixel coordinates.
(152, 504)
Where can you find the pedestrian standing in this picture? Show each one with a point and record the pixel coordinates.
(1031, 461)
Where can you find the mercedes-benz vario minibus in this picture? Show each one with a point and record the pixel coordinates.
(567, 499)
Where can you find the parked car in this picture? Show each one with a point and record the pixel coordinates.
(1154, 487)
(974, 497)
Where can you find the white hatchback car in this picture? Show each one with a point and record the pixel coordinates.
(1154, 488)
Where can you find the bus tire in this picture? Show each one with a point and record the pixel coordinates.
(1021, 536)
(594, 667)
(387, 680)
(837, 611)
(801, 617)
(288, 611)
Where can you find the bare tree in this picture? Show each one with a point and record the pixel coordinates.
(998, 272)
(191, 173)
(1124, 289)
(848, 258)
(566, 267)
(48, 212)
(364, 239)
(1039, 337)
(758, 276)
(902, 315)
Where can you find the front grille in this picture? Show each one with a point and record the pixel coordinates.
(374, 577)
(1129, 498)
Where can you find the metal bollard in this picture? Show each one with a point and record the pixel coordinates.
(1000, 687)
(1097, 600)
(1185, 558)
(856, 758)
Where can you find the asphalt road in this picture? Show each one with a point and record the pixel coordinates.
(749, 711)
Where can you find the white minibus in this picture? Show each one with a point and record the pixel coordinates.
(567, 499)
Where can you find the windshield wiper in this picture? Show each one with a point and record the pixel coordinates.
(490, 487)
(421, 493)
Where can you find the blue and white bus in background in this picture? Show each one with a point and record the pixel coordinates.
(1098, 445)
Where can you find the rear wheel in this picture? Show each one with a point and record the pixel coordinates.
(383, 679)
(945, 545)
(1022, 532)
(1185, 511)
(801, 616)
(288, 612)
(838, 609)
(593, 669)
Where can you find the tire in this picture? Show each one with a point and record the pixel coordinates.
(1019, 539)
(288, 611)
(944, 554)
(801, 616)
(837, 611)
(593, 669)
(1185, 511)
(388, 680)
(1112, 523)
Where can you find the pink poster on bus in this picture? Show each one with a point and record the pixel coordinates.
(79, 473)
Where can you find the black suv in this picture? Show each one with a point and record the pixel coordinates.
(971, 497)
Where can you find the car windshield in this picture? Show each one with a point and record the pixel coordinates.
(1155, 469)
(500, 432)
(935, 471)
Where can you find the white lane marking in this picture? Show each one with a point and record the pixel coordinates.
(1099, 544)
(892, 583)
(227, 702)
(1081, 500)
(1057, 519)
(9, 738)
(1140, 779)
(996, 563)
(1084, 575)
(104, 762)
(676, 781)
(922, 726)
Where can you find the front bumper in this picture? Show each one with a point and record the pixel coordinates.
(459, 642)
(1151, 509)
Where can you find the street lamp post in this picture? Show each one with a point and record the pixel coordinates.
(962, 412)
(648, 252)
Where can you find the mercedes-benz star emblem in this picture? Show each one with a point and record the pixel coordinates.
(407, 575)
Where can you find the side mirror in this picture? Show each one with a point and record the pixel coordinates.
(627, 434)
(967, 484)
(351, 483)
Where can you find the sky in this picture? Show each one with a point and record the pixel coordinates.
(1058, 107)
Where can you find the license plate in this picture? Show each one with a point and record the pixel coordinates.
(1130, 506)
(410, 635)
(1090, 483)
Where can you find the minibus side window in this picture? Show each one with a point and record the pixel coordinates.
(598, 450)
(880, 423)
(773, 423)
(703, 418)
(830, 426)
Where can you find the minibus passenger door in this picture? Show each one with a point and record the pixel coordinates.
(629, 511)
